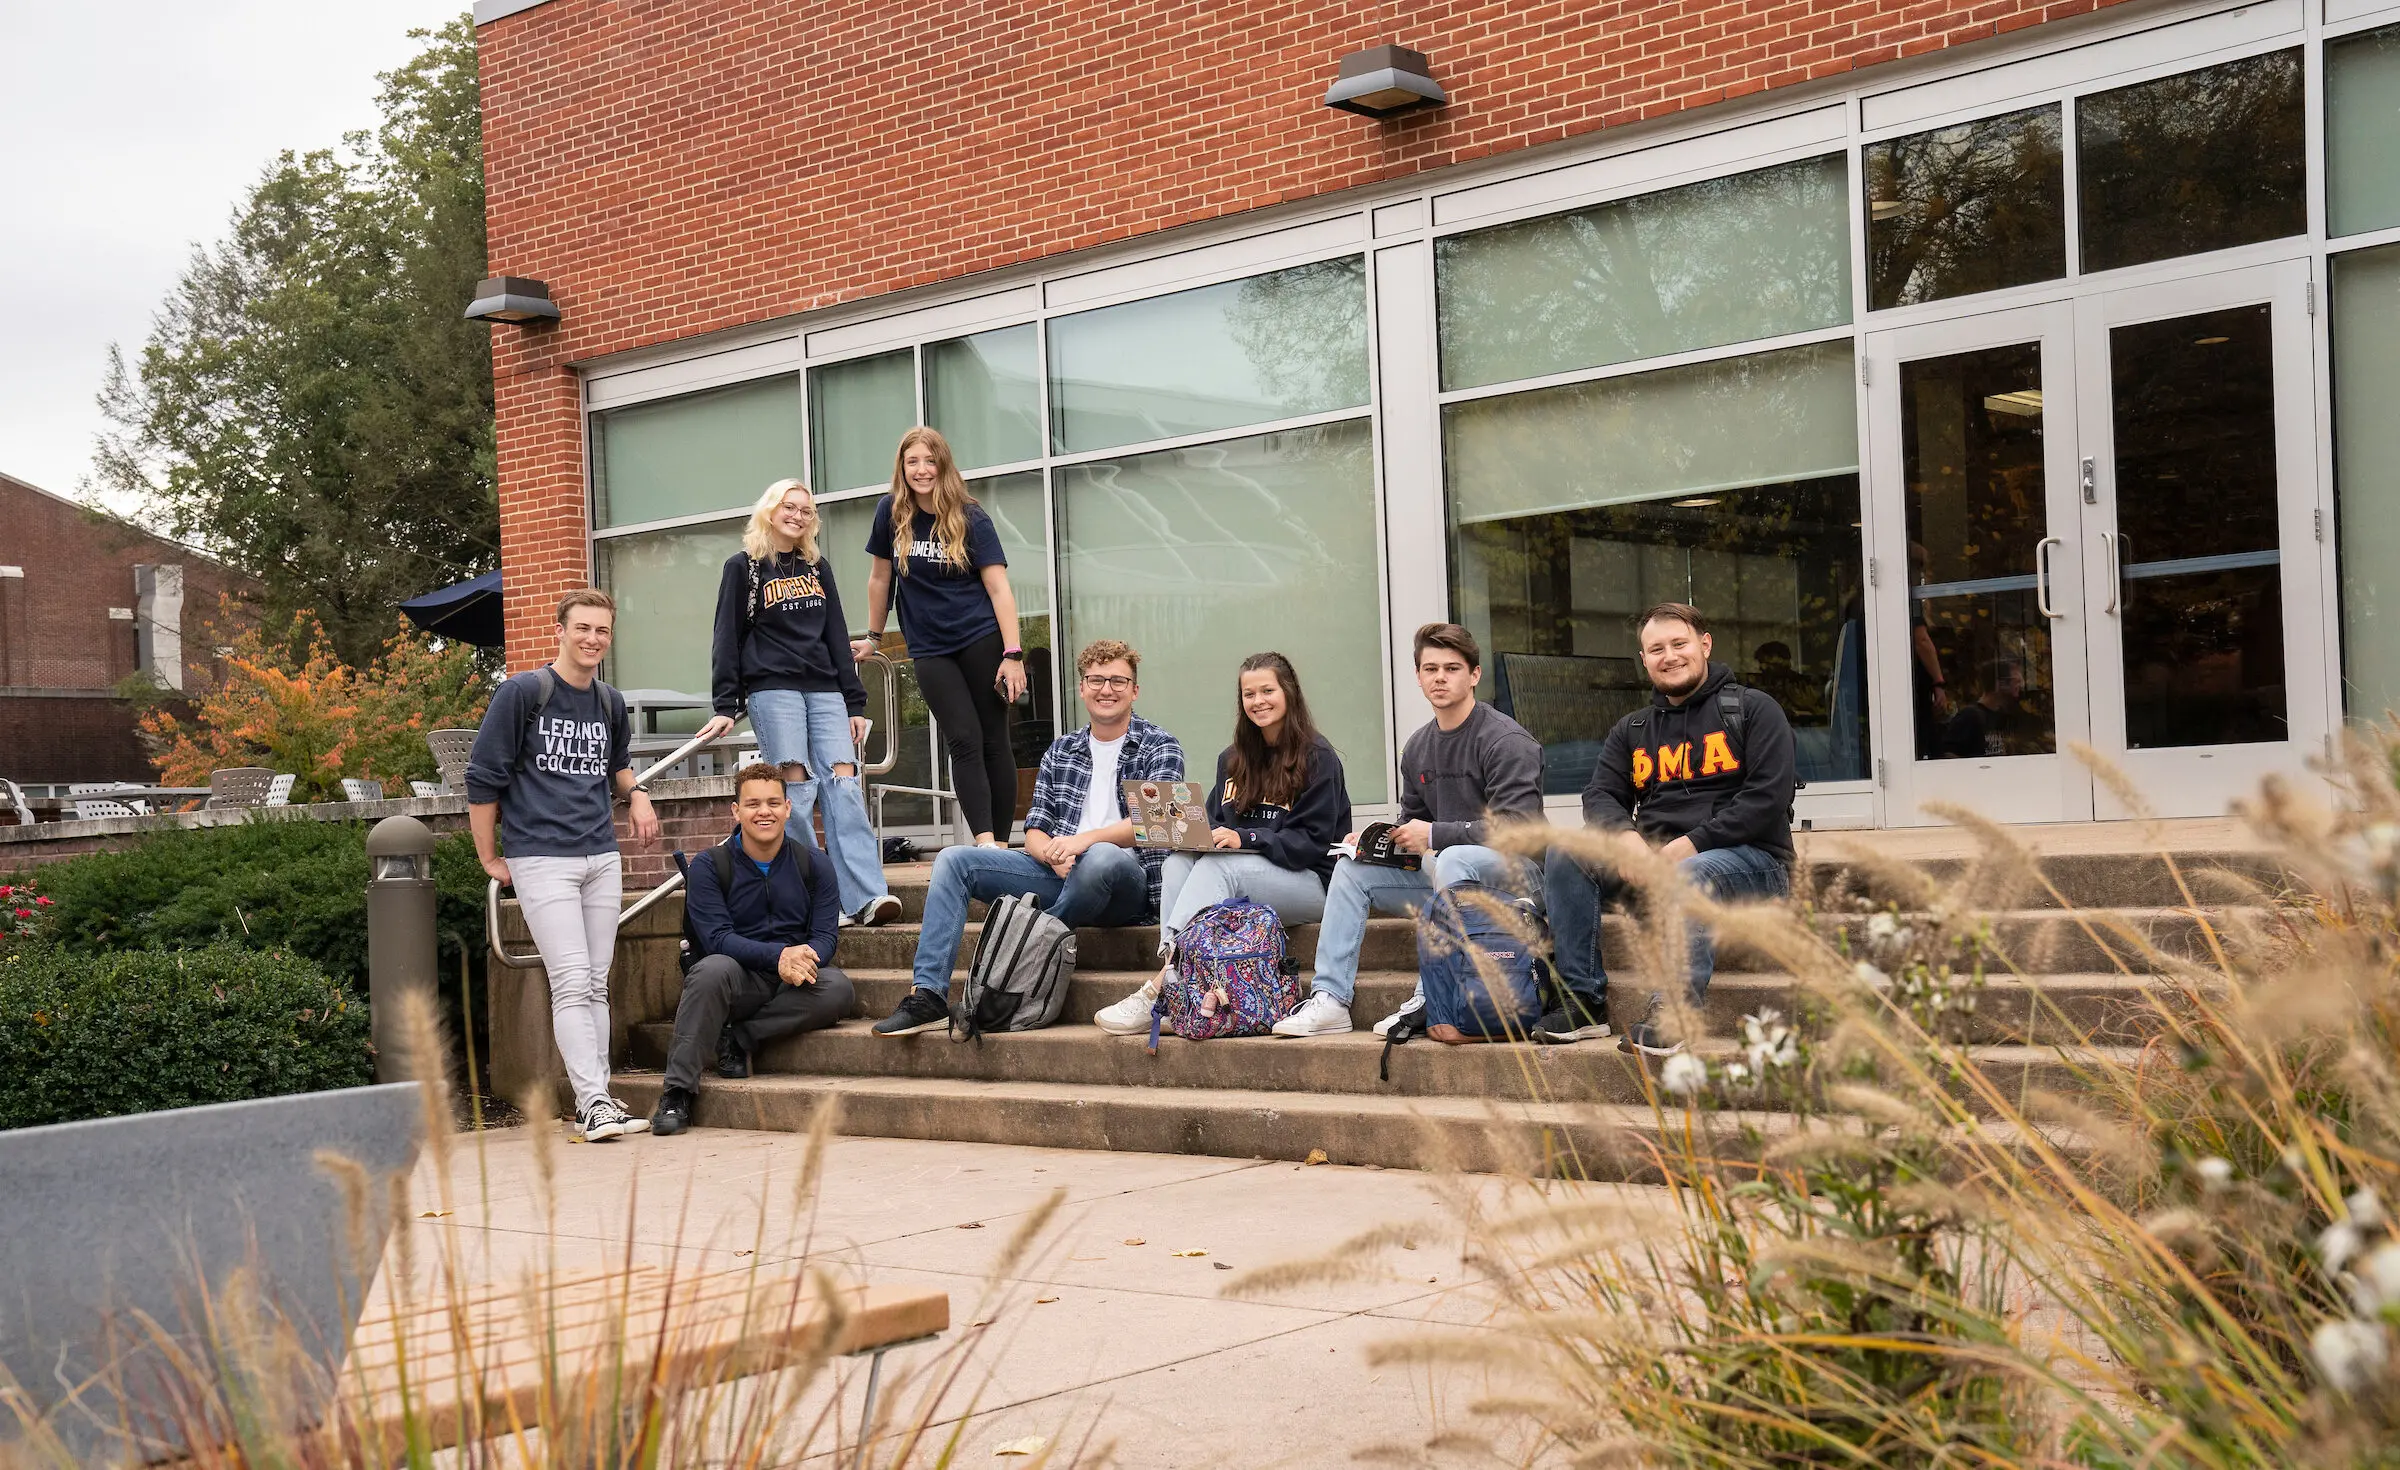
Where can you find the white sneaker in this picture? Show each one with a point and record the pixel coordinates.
(634, 1122)
(601, 1121)
(1319, 1015)
(1130, 1016)
(879, 911)
(1408, 1007)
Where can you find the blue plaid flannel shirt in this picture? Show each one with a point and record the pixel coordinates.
(1065, 778)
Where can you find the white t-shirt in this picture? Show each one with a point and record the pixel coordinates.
(1100, 799)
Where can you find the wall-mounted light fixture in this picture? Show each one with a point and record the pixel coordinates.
(511, 299)
(1385, 81)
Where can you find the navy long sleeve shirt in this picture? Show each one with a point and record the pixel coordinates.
(766, 913)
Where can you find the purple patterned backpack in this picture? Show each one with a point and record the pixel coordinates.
(1233, 976)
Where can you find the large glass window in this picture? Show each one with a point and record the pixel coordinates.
(1276, 346)
(1754, 255)
(1972, 207)
(2366, 448)
(665, 584)
(984, 393)
(2199, 161)
(2362, 127)
(1199, 557)
(1574, 507)
(857, 412)
(703, 452)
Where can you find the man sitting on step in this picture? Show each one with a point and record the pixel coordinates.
(1471, 764)
(1079, 860)
(1703, 775)
(766, 939)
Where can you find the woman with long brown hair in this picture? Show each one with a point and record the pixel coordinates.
(1278, 805)
(959, 617)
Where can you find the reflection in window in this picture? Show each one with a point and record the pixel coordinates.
(1198, 557)
(2362, 120)
(857, 412)
(2366, 445)
(665, 583)
(701, 452)
(1277, 346)
(2201, 556)
(1754, 255)
(2200, 161)
(1968, 208)
(1572, 508)
(983, 392)
(1972, 470)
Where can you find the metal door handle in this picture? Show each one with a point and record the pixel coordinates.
(2108, 551)
(2041, 574)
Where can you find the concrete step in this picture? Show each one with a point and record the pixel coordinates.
(1603, 1143)
(1347, 1064)
(2105, 1009)
(2033, 941)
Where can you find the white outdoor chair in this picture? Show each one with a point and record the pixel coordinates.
(239, 786)
(279, 790)
(450, 749)
(100, 808)
(427, 788)
(360, 790)
(85, 788)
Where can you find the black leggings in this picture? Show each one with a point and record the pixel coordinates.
(974, 719)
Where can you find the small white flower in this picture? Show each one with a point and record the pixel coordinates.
(1871, 977)
(2338, 1244)
(1881, 928)
(1767, 1042)
(1684, 1074)
(2377, 1284)
(2366, 1211)
(1736, 1073)
(2215, 1173)
(2350, 1354)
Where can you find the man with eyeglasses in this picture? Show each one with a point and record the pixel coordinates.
(1079, 860)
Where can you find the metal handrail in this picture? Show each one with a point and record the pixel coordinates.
(674, 881)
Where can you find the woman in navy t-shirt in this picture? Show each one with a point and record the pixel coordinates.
(960, 620)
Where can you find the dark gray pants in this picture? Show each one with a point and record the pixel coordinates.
(760, 1006)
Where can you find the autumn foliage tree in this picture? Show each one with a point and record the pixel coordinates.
(286, 702)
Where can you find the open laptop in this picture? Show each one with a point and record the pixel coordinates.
(1169, 814)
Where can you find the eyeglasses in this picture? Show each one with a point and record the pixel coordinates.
(1110, 683)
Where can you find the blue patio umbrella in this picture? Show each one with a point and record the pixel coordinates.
(466, 613)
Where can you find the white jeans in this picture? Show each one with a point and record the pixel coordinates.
(571, 906)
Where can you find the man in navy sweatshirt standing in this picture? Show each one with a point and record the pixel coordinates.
(1703, 776)
(767, 941)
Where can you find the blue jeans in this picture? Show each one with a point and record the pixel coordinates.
(1575, 896)
(813, 730)
(1105, 889)
(1359, 887)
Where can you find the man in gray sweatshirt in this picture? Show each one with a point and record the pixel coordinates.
(1471, 764)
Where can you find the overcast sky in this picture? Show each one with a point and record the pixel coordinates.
(129, 130)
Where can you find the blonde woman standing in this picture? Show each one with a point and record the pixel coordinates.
(782, 652)
(960, 619)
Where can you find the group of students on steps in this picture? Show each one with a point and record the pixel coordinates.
(1703, 776)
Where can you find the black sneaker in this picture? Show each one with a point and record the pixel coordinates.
(921, 1010)
(733, 1059)
(1644, 1039)
(601, 1121)
(674, 1113)
(1571, 1021)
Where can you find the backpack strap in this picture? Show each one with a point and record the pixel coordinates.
(1729, 712)
(750, 604)
(546, 684)
(804, 856)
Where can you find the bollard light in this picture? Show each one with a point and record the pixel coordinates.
(400, 935)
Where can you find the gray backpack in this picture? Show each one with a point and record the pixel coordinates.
(1018, 978)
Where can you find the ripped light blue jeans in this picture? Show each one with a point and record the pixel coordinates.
(796, 727)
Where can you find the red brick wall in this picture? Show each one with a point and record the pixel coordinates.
(672, 168)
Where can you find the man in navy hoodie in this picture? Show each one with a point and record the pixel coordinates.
(1703, 777)
(767, 943)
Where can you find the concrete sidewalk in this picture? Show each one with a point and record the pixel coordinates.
(1102, 1329)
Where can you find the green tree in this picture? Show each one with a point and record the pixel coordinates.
(311, 405)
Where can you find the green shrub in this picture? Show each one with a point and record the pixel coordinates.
(98, 1035)
(270, 883)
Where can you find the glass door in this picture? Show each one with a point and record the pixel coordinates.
(1983, 682)
(2202, 528)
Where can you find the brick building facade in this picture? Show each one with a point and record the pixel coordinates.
(1958, 356)
(76, 590)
